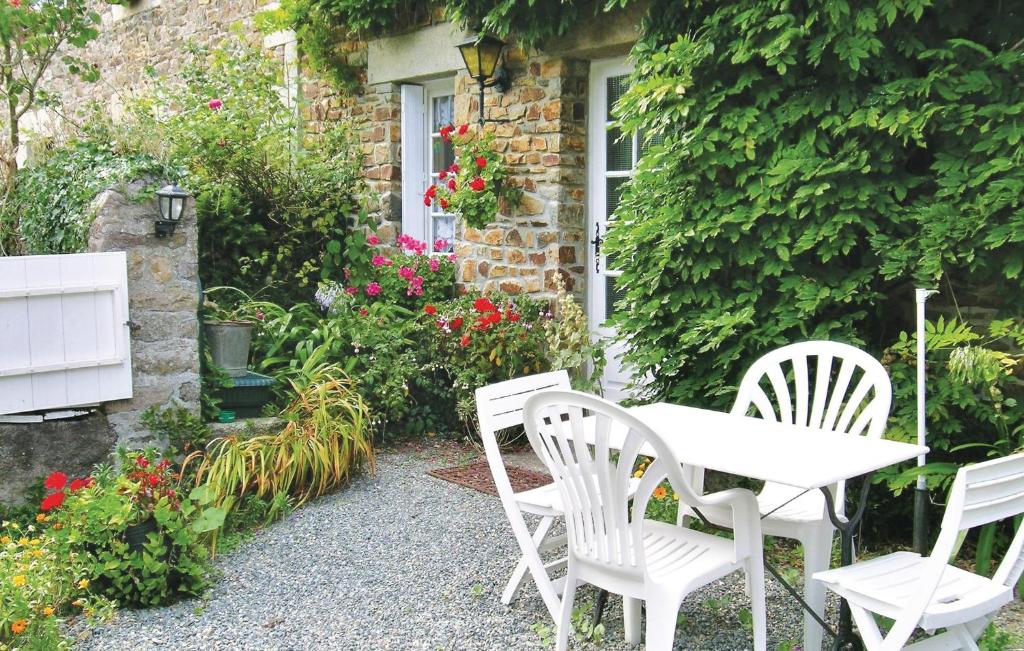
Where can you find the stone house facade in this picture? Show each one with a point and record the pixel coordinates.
(551, 126)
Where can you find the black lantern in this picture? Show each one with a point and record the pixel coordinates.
(171, 200)
(481, 54)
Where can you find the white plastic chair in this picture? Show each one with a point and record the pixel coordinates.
(826, 385)
(928, 592)
(500, 406)
(616, 549)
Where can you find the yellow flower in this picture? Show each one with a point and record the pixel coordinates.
(19, 627)
(83, 584)
(37, 552)
(660, 493)
(19, 580)
(36, 542)
(41, 517)
(23, 541)
(58, 526)
(638, 474)
(5, 540)
(675, 496)
(48, 611)
(78, 602)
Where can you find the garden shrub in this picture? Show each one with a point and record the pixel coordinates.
(274, 206)
(802, 166)
(89, 518)
(51, 203)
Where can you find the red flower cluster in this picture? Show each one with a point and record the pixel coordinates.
(56, 482)
(153, 483)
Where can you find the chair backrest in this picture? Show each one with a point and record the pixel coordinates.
(594, 481)
(981, 493)
(822, 384)
(499, 406)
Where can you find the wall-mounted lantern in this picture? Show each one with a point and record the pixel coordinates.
(171, 200)
(482, 53)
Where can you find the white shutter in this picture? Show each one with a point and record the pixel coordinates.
(414, 173)
(63, 331)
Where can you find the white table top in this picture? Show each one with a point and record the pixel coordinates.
(751, 447)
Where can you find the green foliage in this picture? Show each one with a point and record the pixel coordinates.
(571, 345)
(49, 209)
(320, 24)
(94, 520)
(801, 165)
(181, 429)
(326, 438)
(273, 206)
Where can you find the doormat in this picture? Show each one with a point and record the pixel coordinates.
(477, 475)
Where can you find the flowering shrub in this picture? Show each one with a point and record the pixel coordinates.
(41, 582)
(472, 185)
(409, 277)
(91, 517)
(481, 340)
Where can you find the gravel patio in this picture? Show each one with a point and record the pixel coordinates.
(400, 560)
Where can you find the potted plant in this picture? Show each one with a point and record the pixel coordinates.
(472, 186)
(228, 333)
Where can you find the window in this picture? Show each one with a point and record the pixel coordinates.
(425, 109)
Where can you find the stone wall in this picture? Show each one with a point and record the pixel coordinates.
(163, 303)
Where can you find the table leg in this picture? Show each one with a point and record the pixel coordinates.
(845, 637)
(602, 599)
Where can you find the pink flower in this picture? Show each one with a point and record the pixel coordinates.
(435, 264)
(452, 258)
(373, 240)
(378, 261)
(440, 244)
(215, 104)
(351, 291)
(415, 286)
(373, 289)
(406, 273)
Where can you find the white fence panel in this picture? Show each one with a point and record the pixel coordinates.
(64, 339)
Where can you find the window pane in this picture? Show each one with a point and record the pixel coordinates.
(616, 87)
(611, 295)
(443, 154)
(442, 112)
(620, 151)
(444, 229)
(613, 194)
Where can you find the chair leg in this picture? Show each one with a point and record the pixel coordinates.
(965, 638)
(662, 613)
(754, 571)
(519, 574)
(564, 618)
(631, 619)
(817, 556)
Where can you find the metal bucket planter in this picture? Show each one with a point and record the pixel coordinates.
(228, 343)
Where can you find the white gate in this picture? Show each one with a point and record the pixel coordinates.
(64, 339)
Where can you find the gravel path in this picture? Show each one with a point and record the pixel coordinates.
(399, 561)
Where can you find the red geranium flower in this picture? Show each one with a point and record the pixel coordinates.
(153, 480)
(364, 312)
(478, 184)
(484, 304)
(56, 481)
(430, 309)
(481, 162)
(453, 168)
(513, 317)
(141, 461)
(457, 323)
(451, 184)
(444, 205)
(78, 484)
(52, 502)
(443, 174)
(426, 201)
(432, 191)
(494, 317)
(463, 128)
(464, 341)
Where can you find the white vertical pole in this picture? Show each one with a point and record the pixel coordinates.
(921, 494)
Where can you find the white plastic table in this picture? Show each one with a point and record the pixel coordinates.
(801, 457)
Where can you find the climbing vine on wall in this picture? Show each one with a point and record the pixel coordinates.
(814, 160)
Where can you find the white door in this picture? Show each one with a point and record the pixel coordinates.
(611, 161)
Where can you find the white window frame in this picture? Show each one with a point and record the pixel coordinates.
(417, 155)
